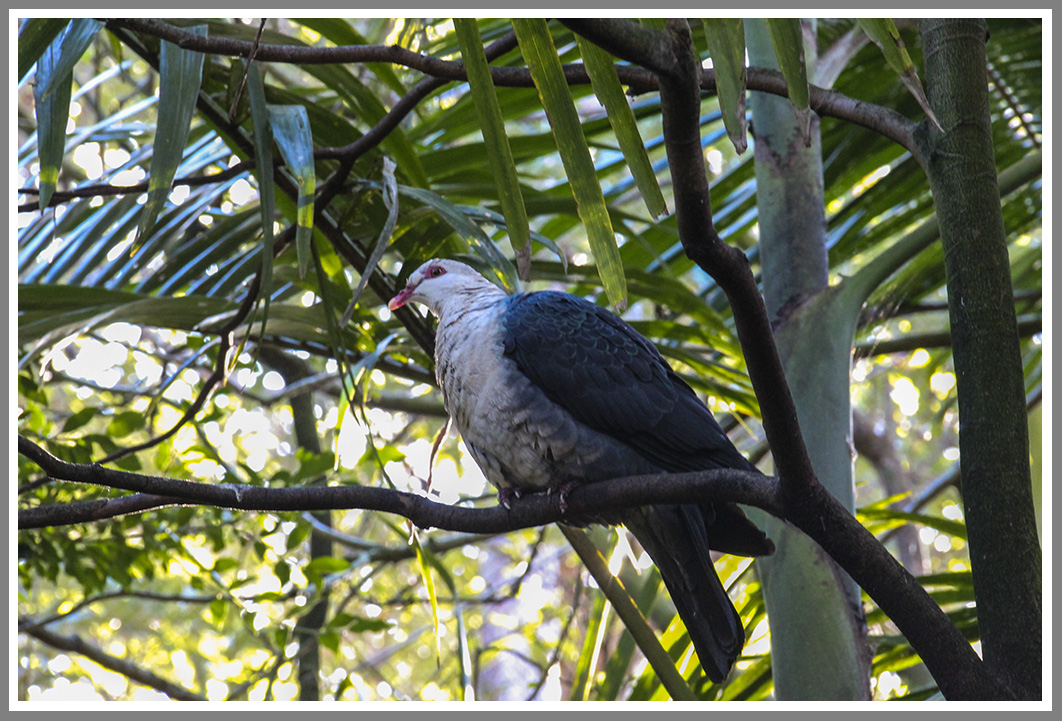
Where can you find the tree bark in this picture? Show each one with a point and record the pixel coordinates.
(993, 440)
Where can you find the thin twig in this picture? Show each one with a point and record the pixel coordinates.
(246, 69)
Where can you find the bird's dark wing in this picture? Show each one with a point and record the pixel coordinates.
(597, 368)
(609, 377)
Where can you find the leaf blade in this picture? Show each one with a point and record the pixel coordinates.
(788, 41)
(499, 152)
(291, 130)
(180, 77)
(541, 55)
(606, 83)
(884, 33)
(36, 36)
(52, 112)
(726, 43)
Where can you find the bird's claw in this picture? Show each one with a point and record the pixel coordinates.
(562, 492)
(506, 496)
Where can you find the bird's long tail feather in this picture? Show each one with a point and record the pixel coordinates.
(676, 538)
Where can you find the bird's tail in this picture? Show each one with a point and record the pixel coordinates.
(676, 538)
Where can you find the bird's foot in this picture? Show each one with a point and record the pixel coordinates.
(562, 492)
(506, 496)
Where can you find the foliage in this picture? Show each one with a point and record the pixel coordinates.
(121, 335)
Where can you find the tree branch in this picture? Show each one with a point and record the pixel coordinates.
(225, 345)
(624, 45)
(959, 672)
(534, 510)
(680, 104)
(106, 190)
(123, 666)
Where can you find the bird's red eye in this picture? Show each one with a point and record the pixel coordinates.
(435, 271)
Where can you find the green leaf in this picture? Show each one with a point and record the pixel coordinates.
(541, 55)
(282, 571)
(390, 198)
(48, 313)
(217, 610)
(51, 93)
(125, 423)
(330, 640)
(74, 42)
(429, 584)
(312, 465)
(263, 172)
(954, 528)
(458, 219)
(358, 624)
(592, 640)
(606, 84)
(726, 43)
(499, 153)
(34, 38)
(52, 112)
(326, 565)
(225, 564)
(885, 35)
(180, 77)
(77, 420)
(291, 129)
(788, 41)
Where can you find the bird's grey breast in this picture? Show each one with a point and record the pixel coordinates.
(517, 435)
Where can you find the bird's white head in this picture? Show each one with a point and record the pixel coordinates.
(438, 280)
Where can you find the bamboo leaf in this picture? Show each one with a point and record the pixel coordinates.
(180, 77)
(726, 43)
(390, 198)
(499, 154)
(75, 40)
(788, 41)
(34, 38)
(954, 528)
(606, 84)
(429, 584)
(588, 658)
(291, 130)
(541, 56)
(458, 219)
(52, 114)
(263, 171)
(885, 35)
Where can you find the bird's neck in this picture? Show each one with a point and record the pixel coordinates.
(467, 347)
(471, 299)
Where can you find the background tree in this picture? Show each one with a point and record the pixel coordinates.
(232, 330)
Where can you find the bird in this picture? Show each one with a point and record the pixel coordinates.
(549, 391)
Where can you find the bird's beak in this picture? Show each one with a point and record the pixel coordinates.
(400, 300)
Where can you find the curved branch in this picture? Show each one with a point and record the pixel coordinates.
(959, 672)
(123, 666)
(534, 510)
(639, 79)
(804, 501)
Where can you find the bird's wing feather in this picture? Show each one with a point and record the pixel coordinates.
(609, 377)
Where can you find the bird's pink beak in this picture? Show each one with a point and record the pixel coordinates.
(400, 300)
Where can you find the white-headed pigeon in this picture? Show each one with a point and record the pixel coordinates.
(549, 390)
